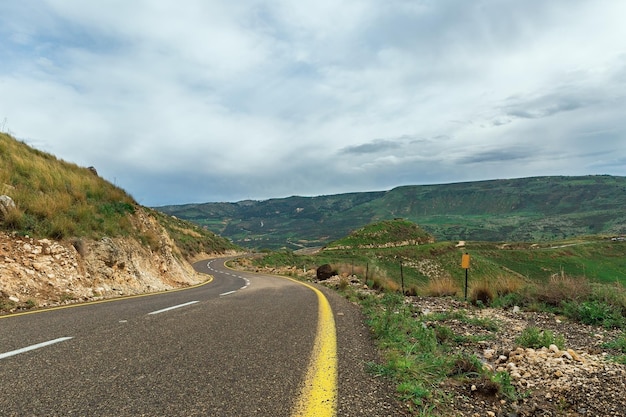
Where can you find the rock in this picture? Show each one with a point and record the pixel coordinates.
(14, 299)
(324, 272)
(575, 356)
(6, 204)
(489, 354)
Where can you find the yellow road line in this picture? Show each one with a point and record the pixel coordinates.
(318, 396)
(107, 300)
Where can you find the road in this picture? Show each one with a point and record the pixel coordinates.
(240, 345)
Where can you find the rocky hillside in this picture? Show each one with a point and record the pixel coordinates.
(67, 235)
(44, 272)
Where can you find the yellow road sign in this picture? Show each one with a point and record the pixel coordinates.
(465, 261)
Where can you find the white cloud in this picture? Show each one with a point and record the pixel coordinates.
(228, 100)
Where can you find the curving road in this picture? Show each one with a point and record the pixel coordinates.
(240, 345)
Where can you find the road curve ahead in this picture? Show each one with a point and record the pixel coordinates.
(239, 346)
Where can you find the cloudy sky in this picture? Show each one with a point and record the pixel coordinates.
(212, 100)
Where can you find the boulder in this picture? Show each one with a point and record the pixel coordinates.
(324, 272)
(6, 204)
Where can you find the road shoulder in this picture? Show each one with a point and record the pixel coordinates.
(360, 392)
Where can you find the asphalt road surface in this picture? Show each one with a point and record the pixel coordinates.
(240, 345)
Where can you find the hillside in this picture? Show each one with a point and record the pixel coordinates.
(68, 235)
(384, 234)
(541, 332)
(526, 209)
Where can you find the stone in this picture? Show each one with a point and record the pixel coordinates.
(6, 204)
(324, 272)
(489, 353)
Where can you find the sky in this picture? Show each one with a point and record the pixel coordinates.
(194, 101)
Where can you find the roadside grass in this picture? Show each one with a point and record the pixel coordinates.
(420, 355)
(535, 338)
(618, 344)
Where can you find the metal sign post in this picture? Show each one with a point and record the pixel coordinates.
(465, 264)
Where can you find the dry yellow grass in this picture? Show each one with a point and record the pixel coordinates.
(441, 287)
(58, 199)
(561, 287)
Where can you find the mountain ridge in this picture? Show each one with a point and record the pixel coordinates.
(522, 209)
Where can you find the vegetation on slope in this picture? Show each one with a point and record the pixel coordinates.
(60, 200)
(526, 209)
(193, 240)
(387, 233)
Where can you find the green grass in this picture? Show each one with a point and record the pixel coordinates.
(533, 337)
(394, 232)
(420, 355)
(421, 351)
(60, 200)
(595, 313)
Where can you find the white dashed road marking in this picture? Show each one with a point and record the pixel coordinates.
(173, 307)
(33, 347)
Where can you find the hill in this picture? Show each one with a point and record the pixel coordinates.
(525, 209)
(384, 234)
(66, 234)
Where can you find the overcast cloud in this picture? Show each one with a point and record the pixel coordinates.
(197, 100)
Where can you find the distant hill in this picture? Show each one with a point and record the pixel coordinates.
(383, 234)
(525, 209)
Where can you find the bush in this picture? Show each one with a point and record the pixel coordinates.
(535, 338)
(481, 293)
(561, 288)
(618, 344)
(504, 286)
(595, 313)
(14, 219)
(441, 287)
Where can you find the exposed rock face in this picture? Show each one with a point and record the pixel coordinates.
(6, 204)
(42, 272)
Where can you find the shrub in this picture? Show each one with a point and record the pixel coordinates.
(510, 300)
(533, 337)
(441, 287)
(343, 284)
(562, 287)
(618, 344)
(481, 293)
(14, 219)
(613, 294)
(596, 313)
(505, 285)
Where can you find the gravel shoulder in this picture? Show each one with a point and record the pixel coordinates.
(360, 392)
